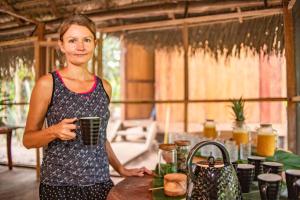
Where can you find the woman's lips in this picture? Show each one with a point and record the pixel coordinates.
(80, 54)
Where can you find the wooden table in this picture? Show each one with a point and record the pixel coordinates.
(8, 131)
(132, 188)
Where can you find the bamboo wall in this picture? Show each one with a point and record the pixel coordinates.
(138, 81)
(249, 74)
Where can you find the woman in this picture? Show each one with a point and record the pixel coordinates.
(71, 169)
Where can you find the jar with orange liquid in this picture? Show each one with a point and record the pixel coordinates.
(266, 140)
(209, 129)
(241, 133)
(242, 137)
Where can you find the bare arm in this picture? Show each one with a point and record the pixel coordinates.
(34, 135)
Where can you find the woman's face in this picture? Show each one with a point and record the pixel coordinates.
(78, 45)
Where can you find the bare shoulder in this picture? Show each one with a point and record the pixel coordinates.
(45, 82)
(44, 86)
(107, 87)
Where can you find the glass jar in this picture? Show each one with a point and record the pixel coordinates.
(242, 137)
(182, 149)
(266, 140)
(209, 129)
(241, 133)
(167, 159)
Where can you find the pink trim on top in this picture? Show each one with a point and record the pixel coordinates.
(89, 91)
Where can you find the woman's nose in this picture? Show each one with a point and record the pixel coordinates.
(80, 45)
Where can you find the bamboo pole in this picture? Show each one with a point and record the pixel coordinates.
(291, 75)
(185, 39)
(276, 99)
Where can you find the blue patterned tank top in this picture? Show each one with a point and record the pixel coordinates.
(71, 162)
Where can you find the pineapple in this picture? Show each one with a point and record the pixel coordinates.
(238, 109)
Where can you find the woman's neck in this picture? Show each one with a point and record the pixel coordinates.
(76, 72)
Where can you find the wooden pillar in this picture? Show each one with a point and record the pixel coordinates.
(296, 17)
(99, 70)
(185, 39)
(39, 66)
(290, 73)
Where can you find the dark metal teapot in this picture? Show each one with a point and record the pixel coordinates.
(210, 180)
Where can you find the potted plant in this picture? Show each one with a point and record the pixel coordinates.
(237, 106)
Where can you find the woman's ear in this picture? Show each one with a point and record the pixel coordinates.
(61, 46)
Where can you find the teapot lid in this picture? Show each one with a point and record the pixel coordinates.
(210, 162)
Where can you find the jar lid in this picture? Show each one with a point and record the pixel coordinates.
(183, 142)
(167, 147)
(265, 125)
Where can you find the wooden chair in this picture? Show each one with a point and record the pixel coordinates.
(8, 131)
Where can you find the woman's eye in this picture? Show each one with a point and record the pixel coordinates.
(72, 41)
(87, 40)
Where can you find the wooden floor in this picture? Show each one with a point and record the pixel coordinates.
(18, 184)
(21, 184)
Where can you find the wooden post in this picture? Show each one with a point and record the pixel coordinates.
(99, 70)
(185, 39)
(39, 66)
(291, 75)
(296, 14)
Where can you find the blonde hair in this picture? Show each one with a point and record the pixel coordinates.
(77, 19)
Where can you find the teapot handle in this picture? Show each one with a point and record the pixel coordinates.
(193, 151)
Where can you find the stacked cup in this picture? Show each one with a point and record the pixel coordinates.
(245, 174)
(257, 162)
(269, 186)
(89, 127)
(292, 176)
(272, 167)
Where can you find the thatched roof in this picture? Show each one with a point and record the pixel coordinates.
(254, 33)
(19, 18)
(152, 23)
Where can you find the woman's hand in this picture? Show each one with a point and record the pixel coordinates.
(64, 130)
(134, 172)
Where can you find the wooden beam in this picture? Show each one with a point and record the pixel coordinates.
(291, 75)
(16, 15)
(185, 40)
(278, 99)
(54, 9)
(193, 20)
(151, 101)
(18, 41)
